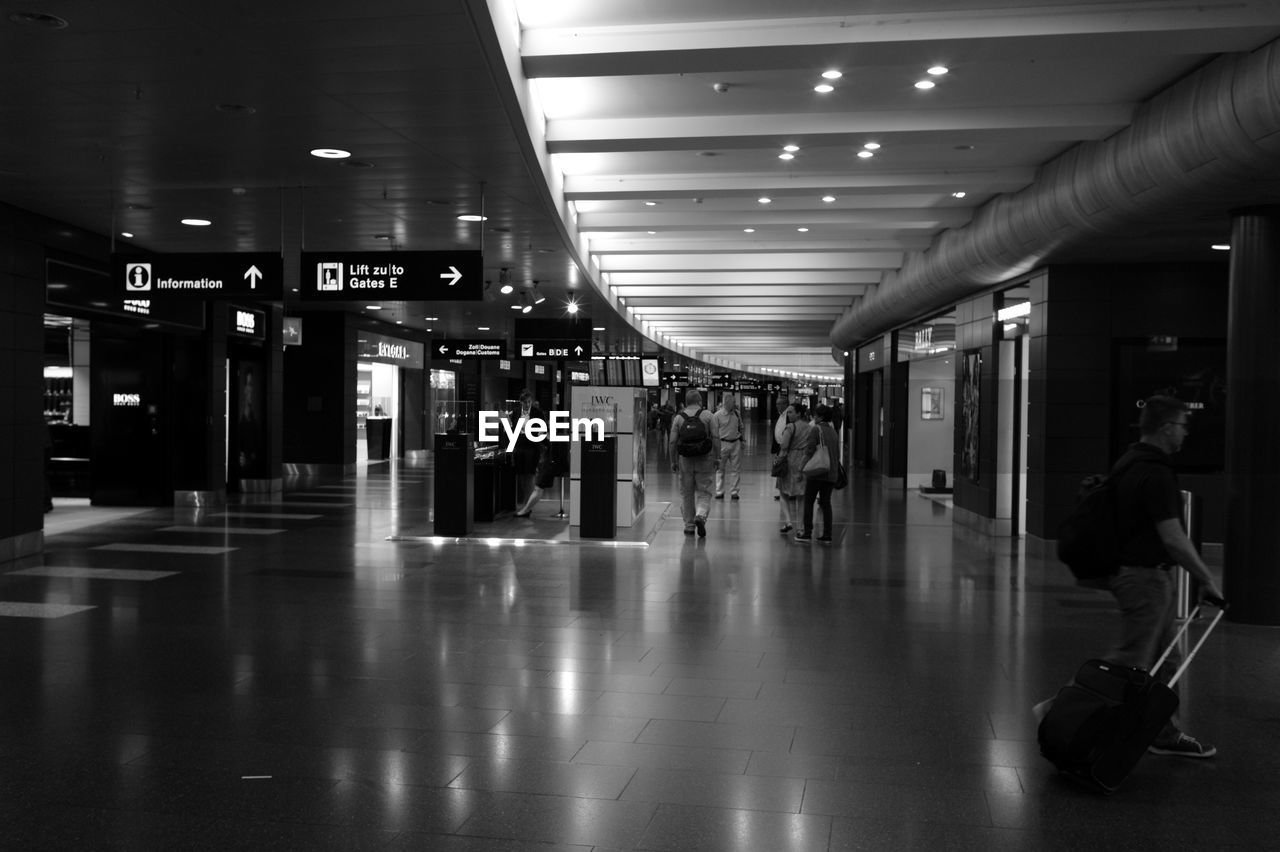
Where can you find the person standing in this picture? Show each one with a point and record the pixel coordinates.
(527, 452)
(791, 483)
(728, 423)
(821, 485)
(695, 450)
(1149, 523)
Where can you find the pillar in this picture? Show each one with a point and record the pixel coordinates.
(1252, 582)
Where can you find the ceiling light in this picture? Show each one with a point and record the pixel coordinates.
(824, 88)
(925, 84)
(373, 307)
(803, 230)
(651, 233)
(197, 223)
(1220, 247)
(126, 235)
(785, 156)
(651, 204)
(538, 297)
(765, 200)
(572, 307)
(866, 155)
(482, 328)
(431, 319)
(872, 146)
(330, 153)
(597, 328)
(832, 74)
(938, 70)
(748, 230)
(827, 199)
(507, 289)
(472, 217)
(791, 149)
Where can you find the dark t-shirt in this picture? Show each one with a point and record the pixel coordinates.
(1146, 494)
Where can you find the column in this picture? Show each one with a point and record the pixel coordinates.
(1252, 582)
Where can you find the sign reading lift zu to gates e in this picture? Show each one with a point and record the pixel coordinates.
(426, 276)
(198, 276)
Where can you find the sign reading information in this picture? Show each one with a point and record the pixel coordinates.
(198, 276)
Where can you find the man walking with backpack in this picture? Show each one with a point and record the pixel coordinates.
(695, 450)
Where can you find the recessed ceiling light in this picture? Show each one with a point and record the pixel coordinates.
(959, 194)
(482, 328)
(197, 223)
(803, 230)
(507, 289)
(382, 236)
(925, 84)
(472, 217)
(399, 322)
(597, 328)
(938, 70)
(431, 319)
(791, 148)
(330, 153)
(748, 230)
(872, 146)
(824, 88)
(765, 200)
(651, 204)
(832, 74)
(373, 307)
(827, 199)
(126, 235)
(517, 306)
(572, 307)
(1220, 247)
(786, 156)
(651, 233)
(866, 155)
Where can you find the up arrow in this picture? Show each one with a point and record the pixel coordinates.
(253, 273)
(577, 350)
(453, 273)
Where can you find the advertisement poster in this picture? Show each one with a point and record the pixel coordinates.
(970, 409)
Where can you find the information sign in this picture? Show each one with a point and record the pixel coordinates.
(402, 275)
(198, 276)
(489, 349)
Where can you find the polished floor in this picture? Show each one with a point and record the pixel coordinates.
(317, 673)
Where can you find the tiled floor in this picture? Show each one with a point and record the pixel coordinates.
(326, 687)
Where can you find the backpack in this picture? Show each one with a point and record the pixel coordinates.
(692, 438)
(1089, 540)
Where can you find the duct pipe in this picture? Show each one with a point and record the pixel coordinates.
(1204, 142)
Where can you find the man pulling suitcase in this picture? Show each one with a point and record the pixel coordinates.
(1152, 543)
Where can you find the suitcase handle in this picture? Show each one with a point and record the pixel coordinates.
(1222, 610)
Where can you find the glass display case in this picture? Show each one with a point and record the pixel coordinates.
(455, 417)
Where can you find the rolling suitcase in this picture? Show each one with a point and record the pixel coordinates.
(1103, 721)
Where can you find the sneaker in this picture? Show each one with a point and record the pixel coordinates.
(824, 539)
(688, 530)
(1183, 745)
(735, 496)
(788, 528)
(701, 523)
(804, 536)
(719, 496)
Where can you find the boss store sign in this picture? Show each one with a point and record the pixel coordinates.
(246, 322)
(390, 350)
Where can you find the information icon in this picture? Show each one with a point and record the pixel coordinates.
(137, 277)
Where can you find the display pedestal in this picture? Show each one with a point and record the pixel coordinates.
(454, 483)
(378, 437)
(598, 489)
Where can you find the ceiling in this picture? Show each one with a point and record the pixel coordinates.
(619, 149)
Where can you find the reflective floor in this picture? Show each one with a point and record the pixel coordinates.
(284, 675)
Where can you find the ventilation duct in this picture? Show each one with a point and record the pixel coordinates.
(1203, 143)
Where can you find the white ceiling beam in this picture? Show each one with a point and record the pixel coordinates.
(665, 133)
(715, 185)
(818, 279)
(777, 261)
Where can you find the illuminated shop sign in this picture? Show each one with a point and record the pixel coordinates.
(126, 400)
(246, 322)
(390, 350)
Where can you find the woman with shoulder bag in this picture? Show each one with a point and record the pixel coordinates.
(791, 483)
(819, 482)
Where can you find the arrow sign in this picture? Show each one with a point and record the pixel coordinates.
(444, 350)
(253, 273)
(453, 274)
(577, 350)
(396, 275)
(470, 349)
(197, 276)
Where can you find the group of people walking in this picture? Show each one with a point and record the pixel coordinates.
(706, 453)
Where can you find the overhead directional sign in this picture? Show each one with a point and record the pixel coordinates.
(431, 276)
(492, 349)
(198, 276)
(559, 339)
